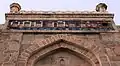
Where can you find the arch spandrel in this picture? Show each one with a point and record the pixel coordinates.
(37, 49)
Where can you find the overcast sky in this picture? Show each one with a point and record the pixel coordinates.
(51, 5)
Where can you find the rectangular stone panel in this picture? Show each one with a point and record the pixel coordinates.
(28, 38)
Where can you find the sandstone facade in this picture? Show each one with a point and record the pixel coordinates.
(59, 47)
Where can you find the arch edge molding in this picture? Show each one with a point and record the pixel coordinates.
(26, 54)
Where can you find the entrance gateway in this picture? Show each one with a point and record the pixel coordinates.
(59, 38)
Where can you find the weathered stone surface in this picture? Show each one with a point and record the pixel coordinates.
(115, 63)
(32, 45)
(10, 50)
(117, 50)
(62, 58)
(1, 57)
(13, 45)
(9, 64)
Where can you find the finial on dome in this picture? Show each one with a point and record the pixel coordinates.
(15, 7)
(101, 7)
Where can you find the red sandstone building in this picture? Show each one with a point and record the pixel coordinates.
(59, 38)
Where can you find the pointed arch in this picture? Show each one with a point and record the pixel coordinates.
(81, 51)
(29, 56)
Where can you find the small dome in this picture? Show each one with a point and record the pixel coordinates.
(15, 7)
(101, 7)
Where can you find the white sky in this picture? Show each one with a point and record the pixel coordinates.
(73, 5)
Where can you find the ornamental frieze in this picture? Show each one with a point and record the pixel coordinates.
(59, 15)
